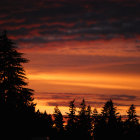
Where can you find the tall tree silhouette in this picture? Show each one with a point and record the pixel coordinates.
(82, 115)
(58, 119)
(107, 125)
(84, 121)
(58, 123)
(109, 111)
(132, 126)
(12, 75)
(15, 99)
(132, 117)
(71, 126)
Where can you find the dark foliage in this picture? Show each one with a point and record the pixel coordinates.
(18, 118)
(131, 125)
(58, 124)
(84, 121)
(107, 124)
(71, 126)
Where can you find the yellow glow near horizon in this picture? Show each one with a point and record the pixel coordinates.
(90, 80)
(122, 110)
(82, 83)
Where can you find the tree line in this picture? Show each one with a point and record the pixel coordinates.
(87, 124)
(20, 121)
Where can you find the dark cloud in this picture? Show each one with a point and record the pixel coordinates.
(138, 48)
(63, 99)
(84, 19)
(118, 97)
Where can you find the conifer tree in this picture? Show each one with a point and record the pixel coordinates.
(58, 124)
(12, 77)
(82, 114)
(132, 127)
(16, 101)
(71, 127)
(107, 122)
(109, 110)
(84, 121)
(58, 119)
(71, 123)
(132, 117)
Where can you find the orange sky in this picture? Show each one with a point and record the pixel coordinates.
(91, 73)
(78, 49)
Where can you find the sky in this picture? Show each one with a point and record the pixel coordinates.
(78, 49)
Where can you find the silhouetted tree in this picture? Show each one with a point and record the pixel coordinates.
(132, 117)
(15, 99)
(58, 124)
(71, 126)
(109, 111)
(95, 117)
(58, 119)
(84, 121)
(13, 76)
(108, 124)
(132, 127)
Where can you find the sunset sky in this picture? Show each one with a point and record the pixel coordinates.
(78, 49)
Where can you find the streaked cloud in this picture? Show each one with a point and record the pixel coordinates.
(94, 100)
